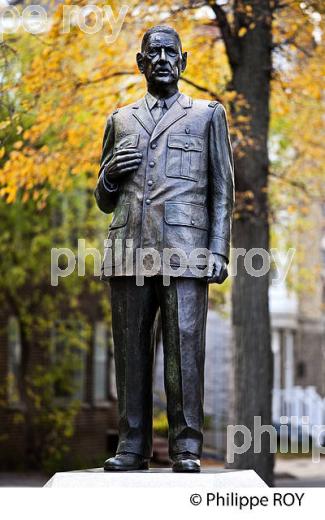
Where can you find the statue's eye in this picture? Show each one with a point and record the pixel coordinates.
(153, 52)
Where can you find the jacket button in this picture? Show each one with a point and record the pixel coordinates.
(152, 164)
(150, 183)
(153, 145)
(186, 145)
(193, 222)
(148, 201)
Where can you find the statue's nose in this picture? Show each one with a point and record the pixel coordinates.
(163, 54)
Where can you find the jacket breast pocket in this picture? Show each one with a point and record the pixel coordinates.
(184, 156)
(128, 141)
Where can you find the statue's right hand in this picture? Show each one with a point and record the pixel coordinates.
(123, 162)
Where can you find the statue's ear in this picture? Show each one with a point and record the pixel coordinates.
(140, 62)
(184, 60)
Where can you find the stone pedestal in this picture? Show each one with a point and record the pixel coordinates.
(211, 479)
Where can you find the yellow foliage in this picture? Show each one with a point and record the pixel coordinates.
(242, 31)
(5, 124)
(71, 81)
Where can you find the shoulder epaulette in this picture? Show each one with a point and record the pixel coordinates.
(212, 104)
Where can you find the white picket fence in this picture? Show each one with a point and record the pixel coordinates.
(301, 406)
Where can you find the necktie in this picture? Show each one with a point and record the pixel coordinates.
(159, 110)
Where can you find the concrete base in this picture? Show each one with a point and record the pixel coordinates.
(209, 479)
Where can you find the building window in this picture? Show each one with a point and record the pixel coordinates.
(301, 369)
(69, 358)
(101, 362)
(14, 360)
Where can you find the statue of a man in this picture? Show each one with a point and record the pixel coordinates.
(167, 173)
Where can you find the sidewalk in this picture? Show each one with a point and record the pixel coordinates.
(299, 472)
(8, 479)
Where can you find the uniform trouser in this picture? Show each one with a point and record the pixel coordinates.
(183, 306)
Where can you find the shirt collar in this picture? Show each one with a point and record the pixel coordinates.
(151, 100)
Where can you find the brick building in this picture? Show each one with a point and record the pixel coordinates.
(95, 426)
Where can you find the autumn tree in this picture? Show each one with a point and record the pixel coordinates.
(49, 316)
(259, 38)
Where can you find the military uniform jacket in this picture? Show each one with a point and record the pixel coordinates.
(182, 194)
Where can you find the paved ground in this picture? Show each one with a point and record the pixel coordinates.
(300, 472)
(22, 479)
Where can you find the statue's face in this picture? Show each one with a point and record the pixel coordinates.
(162, 61)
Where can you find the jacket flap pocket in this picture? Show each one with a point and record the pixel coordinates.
(121, 215)
(186, 142)
(129, 141)
(186, 214)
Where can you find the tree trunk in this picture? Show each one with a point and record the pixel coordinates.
(250, 60)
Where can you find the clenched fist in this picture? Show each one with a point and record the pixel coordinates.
(218, 271)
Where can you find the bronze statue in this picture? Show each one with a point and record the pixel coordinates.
(167, 173)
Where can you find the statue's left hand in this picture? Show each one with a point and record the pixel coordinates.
(218, 271)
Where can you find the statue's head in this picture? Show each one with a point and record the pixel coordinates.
(161, 59)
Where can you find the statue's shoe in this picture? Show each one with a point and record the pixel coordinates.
(126, 462)
(186, 463)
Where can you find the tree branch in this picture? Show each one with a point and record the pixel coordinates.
(228, 37)
(130, 73)
(291, 41)
(103, 78)
(200, 88)
(296, 184)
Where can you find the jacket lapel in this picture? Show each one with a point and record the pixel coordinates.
(178, 110)
(142, 113)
